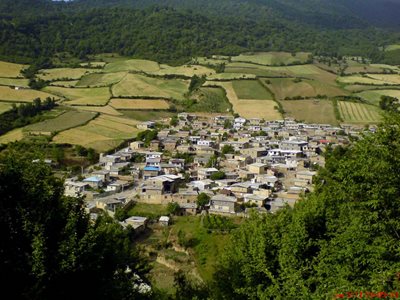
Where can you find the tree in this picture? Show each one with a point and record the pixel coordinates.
(174, 121)
(50, 249)
(173, 208)
(203, 199)
(218, 175)
(227, 149)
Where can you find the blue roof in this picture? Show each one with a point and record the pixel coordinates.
(151, 168)
(92, 179)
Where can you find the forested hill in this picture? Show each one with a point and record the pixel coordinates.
(175, 30)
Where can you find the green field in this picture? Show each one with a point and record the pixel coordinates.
(138, 65)
(65, 83)
(211, 100)
(251, 89)
(11, 70)
(152, 211)
(310, 111)
(289, 87)
(4, 106)
(100, 79)
(22, 95)
(358, 79)
(82, 96)
(273, 58)
(64, 121)
(147, 115)
(392, 47)
(374, 96)
(230, 76)
(359, 113)
(14, 82)
(134, 85)
(64, 73)
(185, 70)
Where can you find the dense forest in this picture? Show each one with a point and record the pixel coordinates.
(183, 30)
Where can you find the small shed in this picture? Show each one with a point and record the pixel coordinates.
(164, 220)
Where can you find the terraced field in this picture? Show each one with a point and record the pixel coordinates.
(230, 76)
(251, 89)
(4, 106)
(358, 79)
(64, 73)
(374, 96)
(147, 115)
(273, 58)
(310, 111)
(134, 85)
(82, 96)
(185, 70)
(12, 136)
(137, 65)
(15, 82)
(22, 95)
(359, 113)
(108, 110)
(65, 83)
(139, 104)
(386, 78)
(102, 134)
(11, 70)
(100, 79)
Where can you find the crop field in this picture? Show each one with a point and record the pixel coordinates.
(93, 64)
(249, 108)
(102, 133)
(65, 83)
(108, 110)
(251, 89)
(273, 58)
(210, 61)
(134, 85)
(210, 100)
(310, 111)
(139, 104)
(4, 106)
(12, 136)
(374, 96)
(100, 79)
(138, 65)
(230, 76)
(386, 67)
(289, 87)
(82, 96)
(386, 78)
(363, 68)
(64, 73)
(22, 95)
(392, 47)
(11, 70)
(14, 82)
(147, 115)
(358, 113)
(358, 79)
(185, 70)
(64, 121)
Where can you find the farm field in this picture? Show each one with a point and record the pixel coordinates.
(386, 67)
(211, 61)
(65, 83)
(147, 115)
(311, 111)
(251, 89)
(134, 85)
(100, 79)
(22, 95)
(11, 70)
(82, 96)
(358, 79)
(273, 58)
(102, 134)
(12, 136)
(14, 82)
(386, 78)
(210, 100)
(4, 106)
(392, 47)
(230, 76)
(289, 87)
(93, 64)
(185, 70)
(137, 65)
(358, 113)
(374, 96)
(64, 121)
(139, 104)
(64, 73)
(249, 108)
(108, 110)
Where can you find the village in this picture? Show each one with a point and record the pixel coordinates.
(237, 165)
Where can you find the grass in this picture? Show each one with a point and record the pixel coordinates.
(386, 78)
(64, 73)
(134, 85)
(392, 47)
(11, 70)
(374, 96)
(352, 112)
(251, 89)
(289, 87)
(230, 76)
(139, 104)
(95, 64)
(152, 211)
(210, 100)
(310, 111)
(100, 79)
(22, 95)
(386, 67)
(65, 83)
(147, 115)
(185, 70)
(103, 133)
(82, 96)
(264, 109)
(12, 136)
(108, 110)
(4, 106)
(273, 58)
(64, 121)
(358, 79)
(15, 82)
(138, 65)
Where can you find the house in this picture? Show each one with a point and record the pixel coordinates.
(205, 143)
(117, 186)
(94, 182)
(160, 185)
(254, 152)
(241, 188)
(139, 224)
(169, 144)
(74, 189)
(136, 145)
(202, 185)
(164, 220)
(102, 174)
(223, 204)
(149, 172)
(239, 123)
(109, 204)
(177, 162)
(255, 199)
(306, 176)
(153, 155)
(146, 125)
(205, 173)
(153, 162)
(258, 168)
(154, 145)
(188, 208)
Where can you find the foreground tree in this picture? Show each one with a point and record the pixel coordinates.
(343, 238)
(51, 250)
